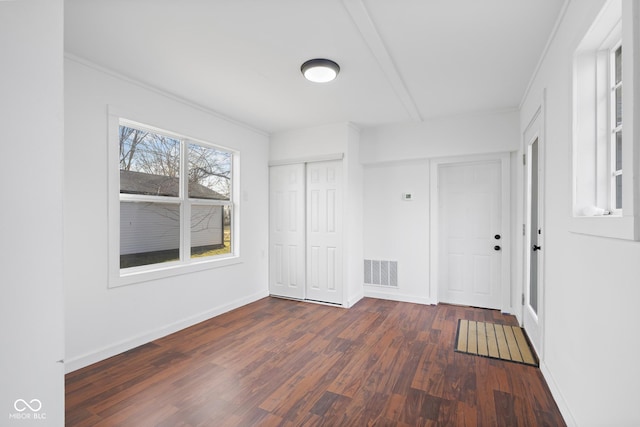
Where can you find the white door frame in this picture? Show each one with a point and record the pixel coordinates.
(505, 242)
(534, 131)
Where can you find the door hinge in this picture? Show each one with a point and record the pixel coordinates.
(522, 299)
(524, 160)
(524, 229)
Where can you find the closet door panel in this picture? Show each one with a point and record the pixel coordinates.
(324, 231)
(287, 227)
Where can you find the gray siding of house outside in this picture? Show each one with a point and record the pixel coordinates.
(150, 227)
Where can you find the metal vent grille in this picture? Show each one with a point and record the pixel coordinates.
(383, 273)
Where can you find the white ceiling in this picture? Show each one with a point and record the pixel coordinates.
(401, 60)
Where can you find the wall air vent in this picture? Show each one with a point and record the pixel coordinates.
(382, 273)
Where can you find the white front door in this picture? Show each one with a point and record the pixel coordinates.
(324, 231)
(287, 231)
(532, 314)
(471, 234)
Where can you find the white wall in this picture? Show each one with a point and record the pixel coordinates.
(31, 107)
(313, 143)
(452, 136)
(354, 185)
(592, 284)
(397, 160)
(101, 321)
(398, 230)
(309, 142)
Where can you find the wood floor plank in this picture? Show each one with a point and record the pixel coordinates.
(352, 376)
(285, 363)
(465, 415)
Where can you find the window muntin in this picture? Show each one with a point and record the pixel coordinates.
(176, 201)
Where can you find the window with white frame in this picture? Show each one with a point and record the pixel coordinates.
(598, 139)
(175, 199)
(615, 134)
(605, 117)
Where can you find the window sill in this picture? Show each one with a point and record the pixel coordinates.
(135, 275)
(612, 226)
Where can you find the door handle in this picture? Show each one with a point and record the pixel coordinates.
(536, 248)
(496, 248)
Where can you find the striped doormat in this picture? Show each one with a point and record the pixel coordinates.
(494, 341)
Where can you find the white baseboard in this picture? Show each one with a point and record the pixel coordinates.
(354, 299)
(557, 396)
(394, 296)
(133, 342)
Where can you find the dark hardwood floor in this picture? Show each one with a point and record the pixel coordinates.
(285, 363)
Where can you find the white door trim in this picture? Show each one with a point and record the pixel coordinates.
(434, 197)
(309, 159)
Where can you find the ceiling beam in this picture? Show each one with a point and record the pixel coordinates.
(366, 27)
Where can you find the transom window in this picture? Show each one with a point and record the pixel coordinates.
(176, 204)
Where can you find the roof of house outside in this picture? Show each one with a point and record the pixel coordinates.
(132, 182)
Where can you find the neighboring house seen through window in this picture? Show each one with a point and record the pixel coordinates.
(175, 197)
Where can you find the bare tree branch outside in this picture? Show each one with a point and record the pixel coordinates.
(155, 154)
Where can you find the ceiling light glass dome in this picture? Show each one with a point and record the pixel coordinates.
(320, 70)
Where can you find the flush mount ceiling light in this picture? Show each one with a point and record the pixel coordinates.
(320, 70)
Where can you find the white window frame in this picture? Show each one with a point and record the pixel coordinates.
(591, 148)
(185, 265)
(614, 128)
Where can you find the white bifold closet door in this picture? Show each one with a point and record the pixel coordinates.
(287, 231)
(324, 232)
(306, 231)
